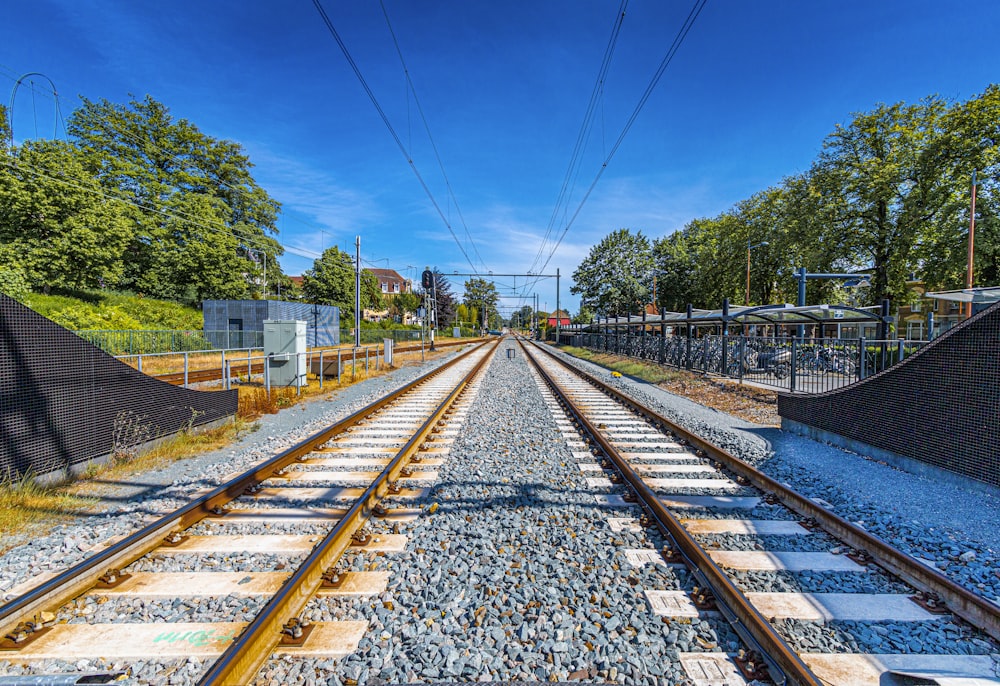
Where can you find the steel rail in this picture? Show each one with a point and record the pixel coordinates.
(971, 607)
(82, 576)
(244, 657)
(743, 615)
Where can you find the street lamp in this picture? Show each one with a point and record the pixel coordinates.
(749, 248)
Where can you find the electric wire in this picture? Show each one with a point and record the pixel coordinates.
(385, 120)
(423, 118)
(565, 190)
(671, 52)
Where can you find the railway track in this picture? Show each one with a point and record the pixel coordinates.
(238, 368)
(524, 562)
(299, 512)
(727, 521)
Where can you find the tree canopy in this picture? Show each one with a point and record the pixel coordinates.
(617, 274)
(331, 281)
(889, 194)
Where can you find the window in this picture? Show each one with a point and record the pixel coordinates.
(385, 287)
(916, 306)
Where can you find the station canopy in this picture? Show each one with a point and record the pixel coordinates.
(989, 294)
(762, 315)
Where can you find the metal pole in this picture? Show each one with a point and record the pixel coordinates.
(185, 369)
(339, 365)
(747, 303)
(558, 317)
(972, 234)
(357, 292)
(322, 370)
(267, 379)
(228, 372)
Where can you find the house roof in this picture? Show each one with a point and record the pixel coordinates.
(559, 313)
(387, 275)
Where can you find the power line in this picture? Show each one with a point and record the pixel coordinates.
(585, 128)
(427, 128)
(388, 125)
(664, 63)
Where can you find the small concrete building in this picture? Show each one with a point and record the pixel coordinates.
(240, 323)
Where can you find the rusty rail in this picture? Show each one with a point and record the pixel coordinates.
(786, 665)
(82, 576)
(247, 654)
(971, 607)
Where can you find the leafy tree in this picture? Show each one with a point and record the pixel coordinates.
(446, 304)
(481, 295)
(882, 188)
(182, 185)
(331, 282)
(59, 231)
(584, 316)
(616, 275)
(405, 302)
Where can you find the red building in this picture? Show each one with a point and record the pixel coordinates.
(562, 317)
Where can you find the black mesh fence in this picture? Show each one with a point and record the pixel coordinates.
(64, 401)
(941, 406)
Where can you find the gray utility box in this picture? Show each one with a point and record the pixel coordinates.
(285, 347)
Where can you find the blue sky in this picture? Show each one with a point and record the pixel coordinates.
(746, 101)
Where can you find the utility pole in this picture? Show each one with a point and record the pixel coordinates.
(357, 292)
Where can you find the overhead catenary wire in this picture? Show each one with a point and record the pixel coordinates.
(427, 129)
(392, 132)
(583, 135)
(650, 87)
(664, 63)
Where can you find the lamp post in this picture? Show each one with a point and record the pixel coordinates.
(972, 234)
(749, 248)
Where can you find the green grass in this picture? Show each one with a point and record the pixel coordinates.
(646, 371)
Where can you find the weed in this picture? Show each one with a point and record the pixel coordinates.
(129, 433)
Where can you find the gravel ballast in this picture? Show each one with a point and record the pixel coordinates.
(512, 571)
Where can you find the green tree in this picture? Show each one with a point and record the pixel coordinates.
(584, 316)
(331, 282)
(882, 186)
(59, 230)
(481, 295)
(617, 274)
(182, 185)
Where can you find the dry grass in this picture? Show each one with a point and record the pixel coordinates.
(746, 402)
(28, 509)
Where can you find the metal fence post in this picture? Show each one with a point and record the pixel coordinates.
(354, 364)
(743, 355)
(223, 360)
(267, 379)
(185, 369)
(794, 366)
(862, 359)
(225, 371)
(338, 366)
(140, 363)
(366, 361)
(249, 366)
(298, 379)
(902, 350)
(322, 370)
